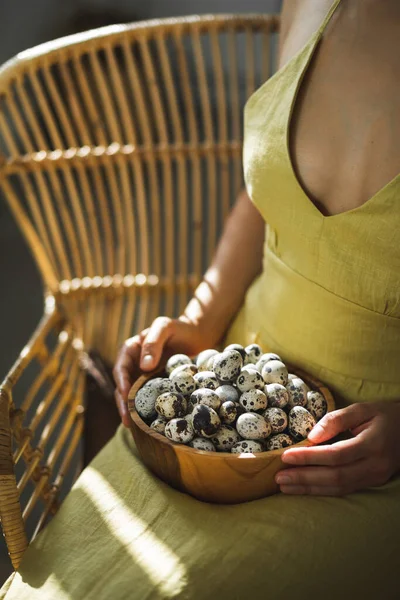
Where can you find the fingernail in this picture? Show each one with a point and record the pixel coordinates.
(147, 362)
(315, 432)
(282, 479)
(290, 458)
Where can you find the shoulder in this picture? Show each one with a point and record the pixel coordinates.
(299, 20)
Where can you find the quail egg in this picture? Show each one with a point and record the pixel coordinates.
(254, 400)
(179, 430)
(171, 405)
(266, 358)
(159, 425)
(183, 382)
(239, 349)
(247, 447)
(227, 392)
(230, 411)
(175, 361)
(200, 443)
(249, 379)
(254, 352)
(300, 423)
(207, 397)
(145, 401)
(277, 418)
(277, 395)
(250, 367)
(316, 404)
(227, 366)
(252, 426)
(206, 379)
(203, 358)
(281, 440)
(297, 390)
(225, 438)
(191, 369)
(206, 421)
(275, 371)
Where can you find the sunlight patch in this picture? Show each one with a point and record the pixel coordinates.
(159, 562)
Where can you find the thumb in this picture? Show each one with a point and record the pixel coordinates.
(154, 342)
(339, 421)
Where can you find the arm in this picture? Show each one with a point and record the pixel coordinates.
(237, 262)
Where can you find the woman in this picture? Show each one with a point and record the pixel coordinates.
(321, 160)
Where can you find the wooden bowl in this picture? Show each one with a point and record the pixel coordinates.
(217, 477)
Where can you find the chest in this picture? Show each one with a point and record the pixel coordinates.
(344, 133)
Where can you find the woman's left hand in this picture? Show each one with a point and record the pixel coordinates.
(369, 458)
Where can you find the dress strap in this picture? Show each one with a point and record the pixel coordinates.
(328, 17)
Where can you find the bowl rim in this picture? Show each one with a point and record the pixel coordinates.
(316, 385)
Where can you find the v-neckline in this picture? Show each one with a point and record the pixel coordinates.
(314, 41)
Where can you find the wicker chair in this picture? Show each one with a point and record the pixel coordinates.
(121, 157)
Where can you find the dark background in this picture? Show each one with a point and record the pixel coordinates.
(25, 23)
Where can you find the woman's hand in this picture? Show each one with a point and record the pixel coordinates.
(144, 352)
(369, 458)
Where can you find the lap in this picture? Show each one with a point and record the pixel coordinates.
(122, 533)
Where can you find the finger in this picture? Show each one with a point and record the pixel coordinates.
(340, 453)
(122, 409)
(154, 342)
(343, 479)
(339, 421)
(301, 490)
(126, 365)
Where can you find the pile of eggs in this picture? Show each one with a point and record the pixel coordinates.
(239, 400)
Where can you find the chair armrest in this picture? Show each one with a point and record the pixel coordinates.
(40, 433)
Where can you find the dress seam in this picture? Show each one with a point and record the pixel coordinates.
(375, 312)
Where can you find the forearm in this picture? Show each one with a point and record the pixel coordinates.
(238, 260)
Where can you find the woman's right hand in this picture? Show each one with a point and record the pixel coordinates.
(145, 351)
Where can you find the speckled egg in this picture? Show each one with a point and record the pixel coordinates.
(249, 379)
(300, 423)
(200, 443)
(277, 395)
(207, 397)
(254, 352)
(252, 426)
(230, 412)
(266, 358)
(183, 382)
(159, 425)
(225, 438)
(281, 440)
(175, 361)
(203, 358)
(247, 447)
(210, 363)
(227, 392)
(277, 418)
(239, 349)
(179, 430)
(166, 385)
(206, 379)
(191, 369)
(254, 400)
(275, 371)
(206, 421)
(145, 402)
(316, 404)
(227, 366)
(250, 367)
(171, 405)
(297, 390)
(292, 376)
